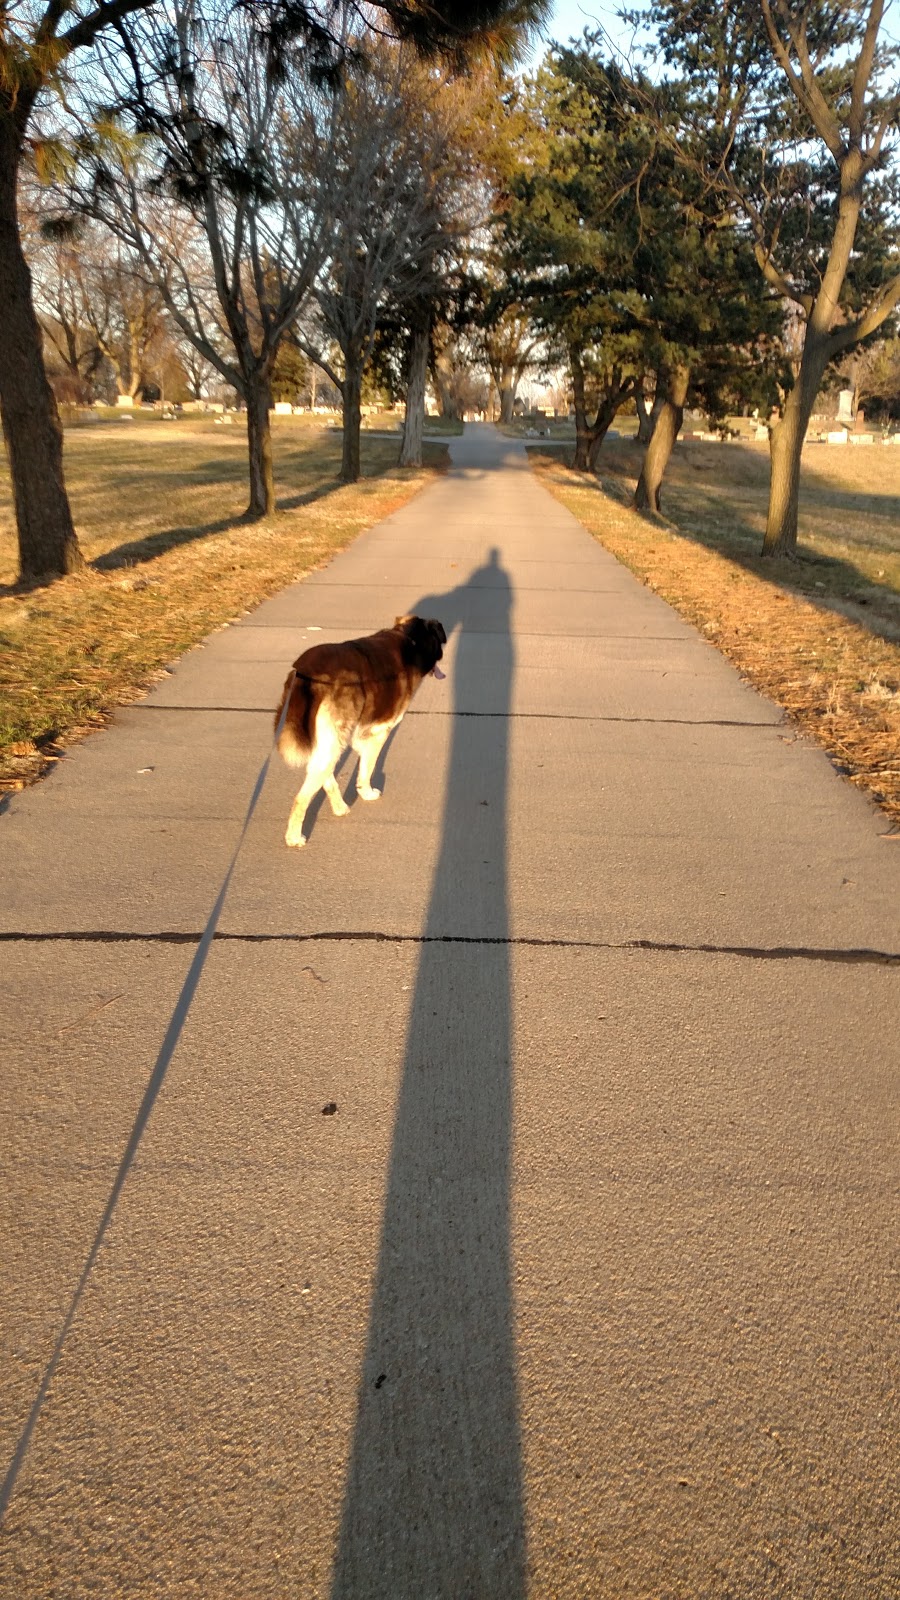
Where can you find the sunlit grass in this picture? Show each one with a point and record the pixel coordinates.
(158, 514)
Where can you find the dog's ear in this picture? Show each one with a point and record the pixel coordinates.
(437, 629)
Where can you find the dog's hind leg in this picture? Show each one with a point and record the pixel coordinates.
(368, 747)
(319, 775)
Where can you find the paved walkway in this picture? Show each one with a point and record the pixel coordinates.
(586, 1288)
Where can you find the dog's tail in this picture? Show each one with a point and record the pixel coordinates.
(298, 734)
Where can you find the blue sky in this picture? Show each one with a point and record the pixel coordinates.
(571, 17)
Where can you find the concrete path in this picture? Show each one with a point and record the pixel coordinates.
(587, 1287)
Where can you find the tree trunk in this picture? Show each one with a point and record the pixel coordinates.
(785, 446)
(352, 409)
(31, 427)
(606, 416)
(446, 401)
(582, 426)
(668, 422)
(411, 448)
(643, 416)
(647, 419)
(259, 446)
(786, 440)
(507, 390)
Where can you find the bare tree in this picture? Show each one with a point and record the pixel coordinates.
(209, 179)
(394, 164)
(128, 320)
(69, 320)
(508, 344)
(450, 366)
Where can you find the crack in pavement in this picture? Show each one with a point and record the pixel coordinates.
(508, 716)
(852, 957)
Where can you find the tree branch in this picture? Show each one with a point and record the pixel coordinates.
(863, 72)
(107, 14)
(778, 280)
(850, 333)
(805, 85)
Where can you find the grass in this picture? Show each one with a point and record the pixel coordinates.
(158, 513)
(821, 636)
(392, 422)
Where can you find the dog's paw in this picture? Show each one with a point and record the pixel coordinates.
(295, 838)
(340, 807)
(369, 793)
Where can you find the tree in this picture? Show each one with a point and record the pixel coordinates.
(37, 44)
(635, 263)
(802, 97)
(394, 164)
(570, 233)
(507, 341)
(876, 377)
(450, 367)
(849, 106)
(290, 374)
(414, 323)
(69, 320)
(210, 175)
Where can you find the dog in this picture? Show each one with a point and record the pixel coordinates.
(351, 694)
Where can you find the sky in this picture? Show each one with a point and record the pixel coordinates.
(571, 17)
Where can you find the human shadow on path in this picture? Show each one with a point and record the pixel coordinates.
(433, 1504)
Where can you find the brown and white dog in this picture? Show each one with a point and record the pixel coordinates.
(351, 694)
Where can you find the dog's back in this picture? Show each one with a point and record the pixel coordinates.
(351, 693)
(360, 684)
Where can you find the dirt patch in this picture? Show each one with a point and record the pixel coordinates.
(821, 637)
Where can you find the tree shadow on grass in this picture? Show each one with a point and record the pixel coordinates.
(434, 1502)
(831, 583)
(138, 551)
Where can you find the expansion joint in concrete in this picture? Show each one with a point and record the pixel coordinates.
(846, 957)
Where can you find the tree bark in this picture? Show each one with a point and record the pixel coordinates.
(786, 440)
(507, 391)
(352, 409)
(647, 419)
(606, 416)
(31, 427)
(643, 416)
(589, 436)
(446, 402)
(259, 447)
(786, 446)
(674, 390)
(582, 426)
(417, 375)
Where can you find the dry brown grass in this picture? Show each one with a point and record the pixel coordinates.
(821, 636)
(158, 510)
